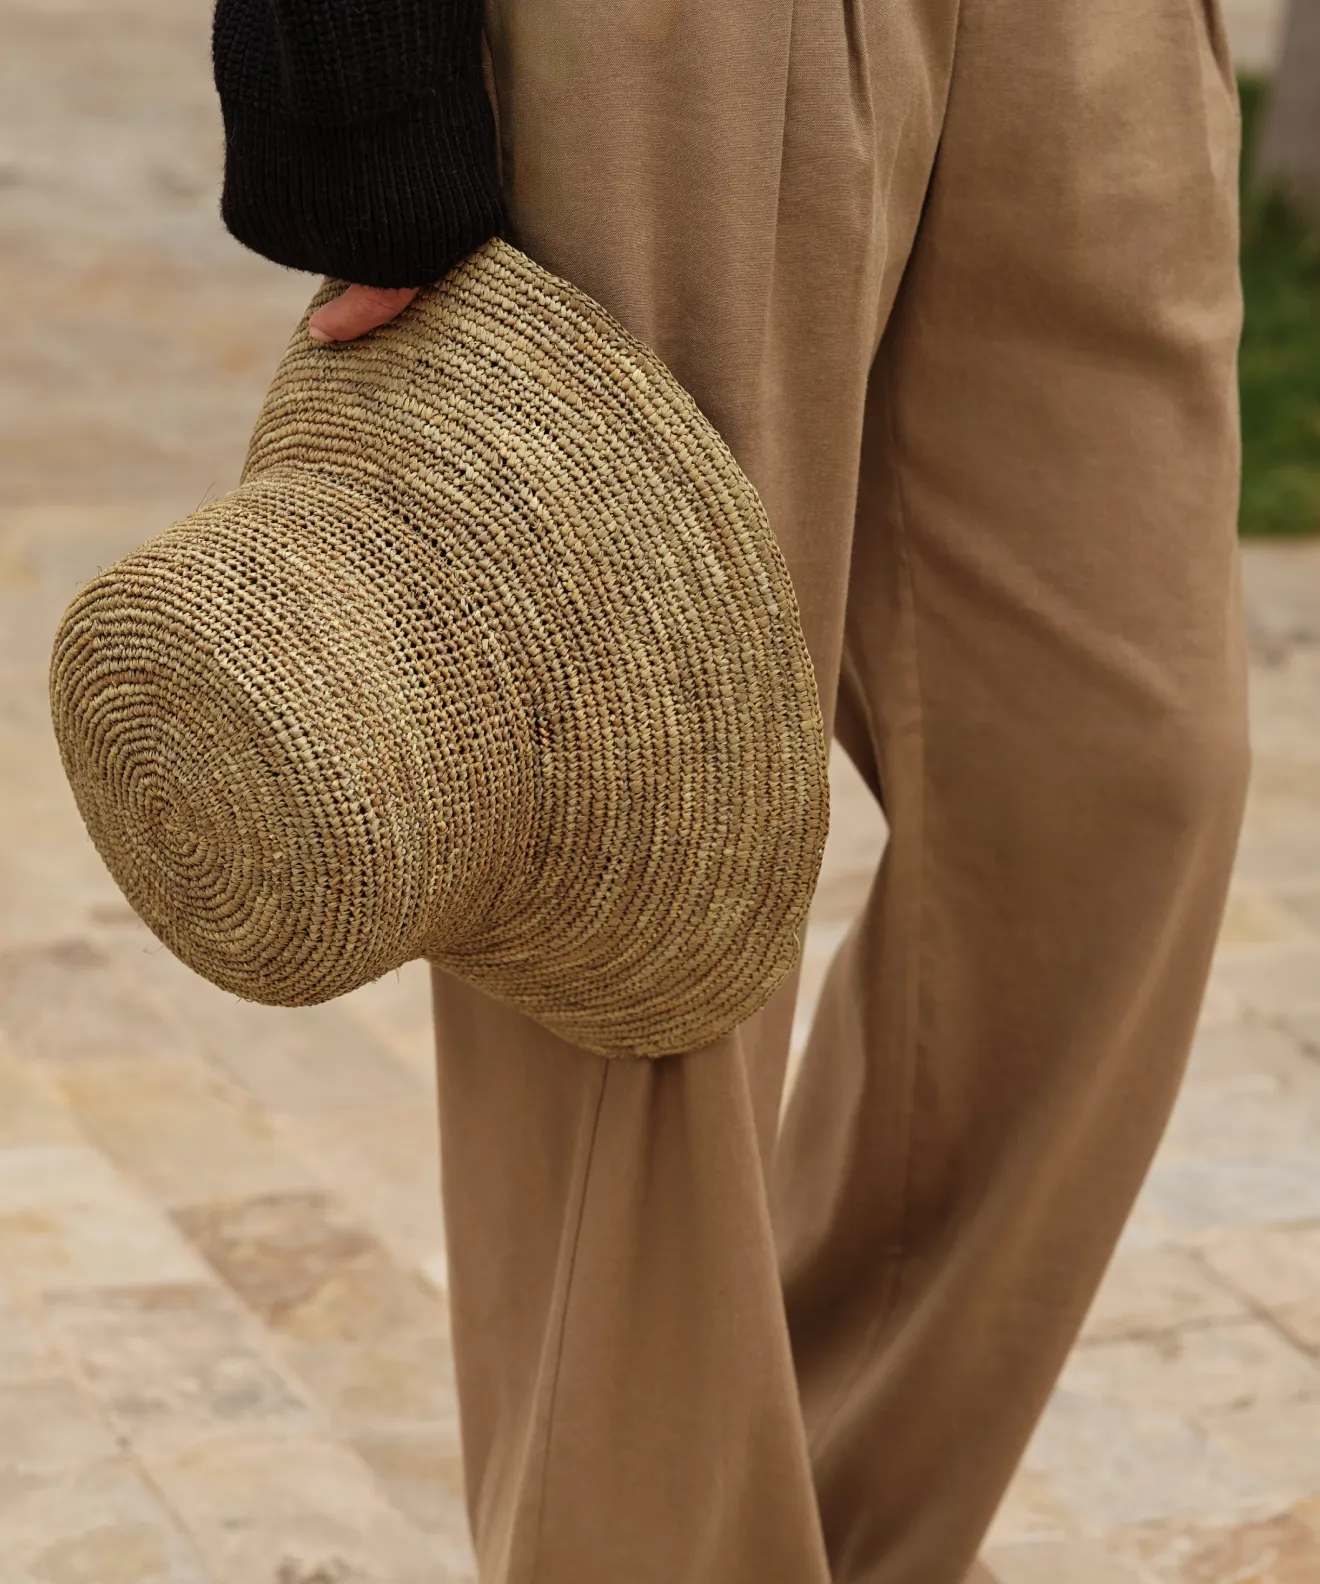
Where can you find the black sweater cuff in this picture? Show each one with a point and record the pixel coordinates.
(395, 201)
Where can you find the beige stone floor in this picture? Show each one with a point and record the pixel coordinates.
(1254, 29)
(223, 1354)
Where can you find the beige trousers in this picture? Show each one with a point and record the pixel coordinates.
(957, 284)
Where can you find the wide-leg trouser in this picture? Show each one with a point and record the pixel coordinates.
(956, 281)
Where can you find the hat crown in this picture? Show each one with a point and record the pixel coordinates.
(331, 744)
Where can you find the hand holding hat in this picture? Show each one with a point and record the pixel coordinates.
(357, 310)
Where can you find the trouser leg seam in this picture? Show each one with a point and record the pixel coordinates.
(560, 1343)
(913, 992)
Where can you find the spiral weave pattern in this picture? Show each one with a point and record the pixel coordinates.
(491, 658)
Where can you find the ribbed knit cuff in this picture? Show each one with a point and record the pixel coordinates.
(393, 202)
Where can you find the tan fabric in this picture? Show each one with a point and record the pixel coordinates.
(1011, 532)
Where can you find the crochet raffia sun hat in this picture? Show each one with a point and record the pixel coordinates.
(491, 658)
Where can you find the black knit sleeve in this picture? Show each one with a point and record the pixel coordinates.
(359, 140)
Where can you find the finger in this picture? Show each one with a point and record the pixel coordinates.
(357, 310)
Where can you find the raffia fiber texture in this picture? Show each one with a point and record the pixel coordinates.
(491, 658)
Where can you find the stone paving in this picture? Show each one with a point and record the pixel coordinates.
(1254, 31)
(223, 1336)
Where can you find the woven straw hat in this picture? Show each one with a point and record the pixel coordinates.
(491, 659)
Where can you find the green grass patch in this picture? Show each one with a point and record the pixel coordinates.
(1280, 365)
